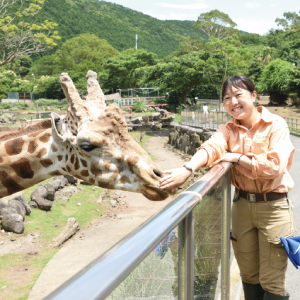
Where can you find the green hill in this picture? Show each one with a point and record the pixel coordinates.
(117, 24)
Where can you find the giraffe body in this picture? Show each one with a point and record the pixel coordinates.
(92, 144)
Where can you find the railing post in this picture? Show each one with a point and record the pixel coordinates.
(186, 258)
(225, 251)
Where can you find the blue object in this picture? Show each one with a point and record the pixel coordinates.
(162, 248)
(291, 246)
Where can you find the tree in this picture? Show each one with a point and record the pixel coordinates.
(276, 79)
(19, 35)
(44, 66)
(290, 18)
(266, 55)
(215, 24)
(123, 70)
(226, 58)
(82, 53)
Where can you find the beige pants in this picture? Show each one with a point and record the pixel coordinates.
(256, 231)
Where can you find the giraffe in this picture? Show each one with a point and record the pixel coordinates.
(91, 143)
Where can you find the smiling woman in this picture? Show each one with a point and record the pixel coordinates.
(258, 143)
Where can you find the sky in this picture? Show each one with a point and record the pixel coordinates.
(251, 16)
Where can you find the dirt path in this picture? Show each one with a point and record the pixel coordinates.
(103, 234)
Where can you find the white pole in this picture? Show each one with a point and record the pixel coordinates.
(136, 39)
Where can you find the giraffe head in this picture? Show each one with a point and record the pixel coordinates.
(98, 145)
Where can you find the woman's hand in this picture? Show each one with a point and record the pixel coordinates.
(175, 178)
(231, 157)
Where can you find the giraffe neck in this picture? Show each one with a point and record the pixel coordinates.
(28, 157)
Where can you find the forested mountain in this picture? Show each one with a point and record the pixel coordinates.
(117, 24)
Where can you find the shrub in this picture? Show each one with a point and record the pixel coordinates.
(138, 106)
(50, 102)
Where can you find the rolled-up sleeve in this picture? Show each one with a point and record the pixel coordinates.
(216, 146)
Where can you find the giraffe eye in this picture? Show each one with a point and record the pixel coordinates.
(87, 147)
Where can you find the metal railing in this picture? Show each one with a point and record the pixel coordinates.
(211, 120)
(293, 124)
(152, 263)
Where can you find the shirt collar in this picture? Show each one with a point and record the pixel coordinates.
(265, 115)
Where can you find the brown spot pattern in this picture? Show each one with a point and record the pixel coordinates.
(84, 163)
(64, 169)
(72, 159)
(67, 157)
(69, 169)
(54, 148)
(22, 168)
(95, 169)
(125, 179)
(14, 147)
(91, 181)
(133, 161)
(77, 165)
(11, 185)
(1, 160)
(59, 157)
(32, 146)
(106, 165)
(105, 185)
(45, 138)
(42, 152)
(55, 173)
(85, 173)
(46, 163)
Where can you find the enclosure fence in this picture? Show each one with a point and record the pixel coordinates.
(293, 124)
(211, 120)
(180, 253)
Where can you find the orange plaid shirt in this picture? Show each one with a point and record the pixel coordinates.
(269, 146)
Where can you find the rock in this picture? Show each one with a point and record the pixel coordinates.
(13, 223)
(18, 206)
(7, 211)
(20, 197)
(3, 203)
(33, 204)
(50, 186)
(100, 200)
(137, 120)
(71, 228)
(39, 192)
(62, 181)
(156, 108)
(113, 202)
(145, 119)
(155, 116)
(71, 179)
(79, 204)
(43, 204)
(48, 108)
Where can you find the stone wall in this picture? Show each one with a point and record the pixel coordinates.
(188, 139)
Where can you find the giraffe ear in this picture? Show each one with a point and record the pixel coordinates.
(57, 126)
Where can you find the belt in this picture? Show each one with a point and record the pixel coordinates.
(260, 197)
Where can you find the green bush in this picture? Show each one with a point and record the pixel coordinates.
(138, 106)
(50, 102)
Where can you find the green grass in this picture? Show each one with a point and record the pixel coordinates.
(177, 118)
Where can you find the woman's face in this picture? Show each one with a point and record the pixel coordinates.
(239, 103)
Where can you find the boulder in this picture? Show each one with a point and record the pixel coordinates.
(155, 116)
(43, 204)
(71, 179)
(3, 204)
(145, 119)
(51, 188)
(18, 206)
(19, 197)
(62, 181)
(39, 192)
(33, 204)
(13, 223)
(156, 108)
(137, 120)
(7, 211)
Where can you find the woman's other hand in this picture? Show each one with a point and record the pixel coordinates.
(231, 157)
(175, 178)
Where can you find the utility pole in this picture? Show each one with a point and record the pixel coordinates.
(136, 38)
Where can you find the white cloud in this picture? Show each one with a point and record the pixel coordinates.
(254, 26)
(251, 5)
(276, 4)
(173, 16)
(184, 6)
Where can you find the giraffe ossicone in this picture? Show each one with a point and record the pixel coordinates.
(92, 143)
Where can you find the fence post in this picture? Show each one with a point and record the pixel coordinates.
(225, 251)
(186, 258)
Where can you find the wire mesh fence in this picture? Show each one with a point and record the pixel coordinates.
(157, 276)
(198, 118)
(293, 124)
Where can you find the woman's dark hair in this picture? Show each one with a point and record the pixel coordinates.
(239, 82)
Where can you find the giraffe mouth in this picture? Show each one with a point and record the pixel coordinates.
(154, 193)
